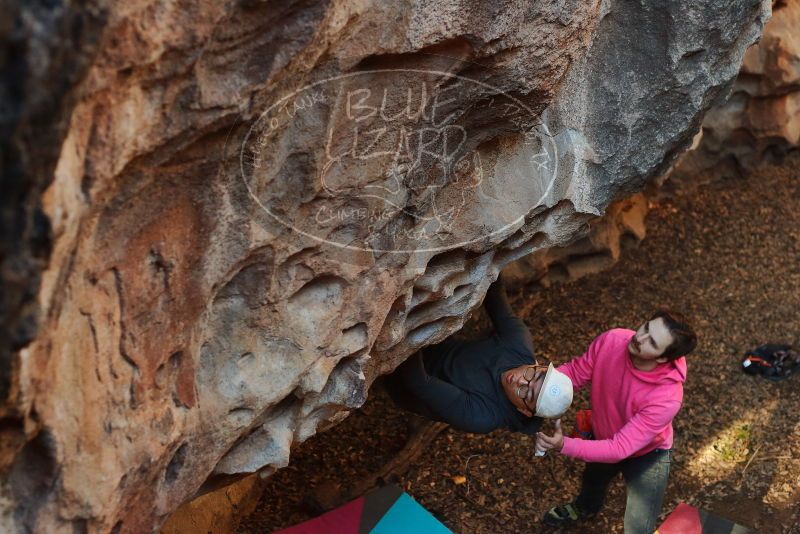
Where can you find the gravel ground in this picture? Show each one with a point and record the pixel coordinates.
(728, 255)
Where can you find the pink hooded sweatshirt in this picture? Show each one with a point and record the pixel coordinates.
(632, 410)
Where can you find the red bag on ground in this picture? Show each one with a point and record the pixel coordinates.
(583, 425)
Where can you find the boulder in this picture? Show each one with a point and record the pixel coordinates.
(259, 207)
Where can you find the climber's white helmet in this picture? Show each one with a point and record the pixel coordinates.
(555, 396)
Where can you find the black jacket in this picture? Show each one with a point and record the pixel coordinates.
(458, 381)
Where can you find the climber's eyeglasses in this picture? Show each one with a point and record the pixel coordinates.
(531, 373)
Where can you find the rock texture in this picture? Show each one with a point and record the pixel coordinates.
(762, 117)
(761, 120)
(261, 206)
(35, 103)
(45, 48)
(219, 511)
(622, 225)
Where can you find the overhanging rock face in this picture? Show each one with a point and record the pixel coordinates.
(260, 207)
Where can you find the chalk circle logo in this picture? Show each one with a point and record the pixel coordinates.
(398, 160)
(555, 391)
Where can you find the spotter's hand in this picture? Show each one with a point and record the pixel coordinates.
(554, 442)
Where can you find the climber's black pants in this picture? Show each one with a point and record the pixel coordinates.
(645, 481)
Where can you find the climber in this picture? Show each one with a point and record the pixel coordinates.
(479, 386)
(637, 389)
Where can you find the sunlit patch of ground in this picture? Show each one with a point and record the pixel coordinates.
(728, 255)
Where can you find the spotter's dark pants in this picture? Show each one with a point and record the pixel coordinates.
(645, 481)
